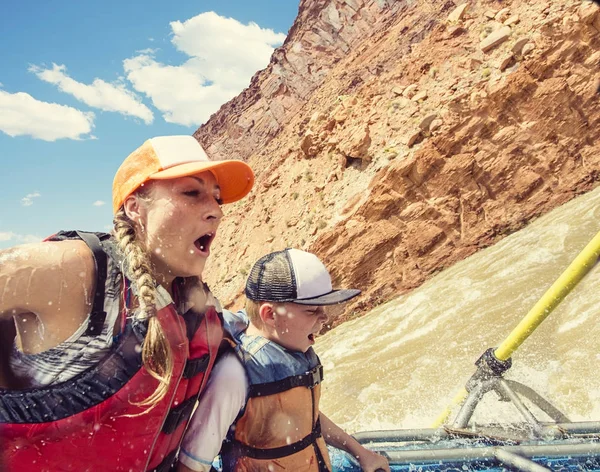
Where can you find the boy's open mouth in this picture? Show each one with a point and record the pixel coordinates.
(203, 242)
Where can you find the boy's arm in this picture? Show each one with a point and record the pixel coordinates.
(335, 436)
(219, 405)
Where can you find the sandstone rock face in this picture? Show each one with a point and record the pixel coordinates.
(324, 33)
(388, 190)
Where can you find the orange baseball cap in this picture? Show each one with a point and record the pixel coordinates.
(170, 157)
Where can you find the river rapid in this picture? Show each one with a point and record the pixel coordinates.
(400, 365)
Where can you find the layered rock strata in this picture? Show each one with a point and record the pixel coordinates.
(394, 138)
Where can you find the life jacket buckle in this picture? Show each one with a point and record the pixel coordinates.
(315, 375)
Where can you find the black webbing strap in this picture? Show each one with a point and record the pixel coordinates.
(242, 450)
(97, 315)
(310, 379)
(178, 414)
(195, 366)
(167, 463)
(321, 460)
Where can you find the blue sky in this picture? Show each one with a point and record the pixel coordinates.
(82, 84)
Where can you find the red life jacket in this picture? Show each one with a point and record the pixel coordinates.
(90, 422)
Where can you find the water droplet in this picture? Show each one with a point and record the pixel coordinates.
(281, 310)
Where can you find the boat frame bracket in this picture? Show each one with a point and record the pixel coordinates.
(489, 377)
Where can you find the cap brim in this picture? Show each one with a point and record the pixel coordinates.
(234, 177)
(332, 298)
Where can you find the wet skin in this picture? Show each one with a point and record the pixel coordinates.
(178, 213)
(46, 288)
(291, 325)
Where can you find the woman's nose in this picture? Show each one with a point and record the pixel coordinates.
(213, 211)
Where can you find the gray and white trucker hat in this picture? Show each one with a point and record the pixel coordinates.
(294, 276)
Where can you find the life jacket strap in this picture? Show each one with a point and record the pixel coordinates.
(92, 240)
(196, 366)
(320, 459)
(167, 463)
(179, 414)
(237, 449)
(309, 379)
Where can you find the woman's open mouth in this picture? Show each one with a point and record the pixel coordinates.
(203, 243)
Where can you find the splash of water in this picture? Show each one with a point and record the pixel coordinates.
(399, 365)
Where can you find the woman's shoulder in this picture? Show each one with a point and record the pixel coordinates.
(47, 253)
(38, 274)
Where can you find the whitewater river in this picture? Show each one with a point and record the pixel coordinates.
(400, 365)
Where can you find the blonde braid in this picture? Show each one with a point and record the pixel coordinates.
(156, 351)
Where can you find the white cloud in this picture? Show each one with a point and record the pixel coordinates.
(147, 51)
(99, 203)
(24, 115)
(27, 200)
(19, 238)
(100, 94)
(180, 93)
(224, 55)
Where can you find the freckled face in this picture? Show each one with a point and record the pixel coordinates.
(180, 221)
(296, 325)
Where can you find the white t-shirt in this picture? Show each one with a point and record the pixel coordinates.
(220, 404)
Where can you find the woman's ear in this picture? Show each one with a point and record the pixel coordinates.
(267, 314)
(132, 206)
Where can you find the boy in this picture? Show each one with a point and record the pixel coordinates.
(269, 389)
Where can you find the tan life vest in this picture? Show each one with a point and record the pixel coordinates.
(279, 429)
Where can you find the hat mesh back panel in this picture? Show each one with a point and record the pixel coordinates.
(272, 279)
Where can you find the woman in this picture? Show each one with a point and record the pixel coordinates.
(116, 335)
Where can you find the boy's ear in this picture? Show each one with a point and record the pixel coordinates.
(267, 314)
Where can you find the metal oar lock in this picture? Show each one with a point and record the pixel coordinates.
(489, 377)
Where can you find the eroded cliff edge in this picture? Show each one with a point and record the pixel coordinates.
(394, 138)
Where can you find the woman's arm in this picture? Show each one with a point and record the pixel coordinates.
(50, 284)
(335, 436)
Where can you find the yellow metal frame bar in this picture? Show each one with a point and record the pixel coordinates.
(540, 311)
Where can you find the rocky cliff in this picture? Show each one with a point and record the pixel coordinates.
(394, 138)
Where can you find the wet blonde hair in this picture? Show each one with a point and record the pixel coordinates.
(252, 310)
(156, 351)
